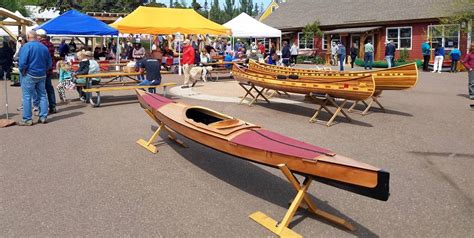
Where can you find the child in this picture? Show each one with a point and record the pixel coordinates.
(65, 80)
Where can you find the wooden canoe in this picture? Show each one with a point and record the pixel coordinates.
(251, 142)
(395, 78)
(351, 87)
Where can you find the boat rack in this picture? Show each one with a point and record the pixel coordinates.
(281, 228)
(323, 100)
(368, 105)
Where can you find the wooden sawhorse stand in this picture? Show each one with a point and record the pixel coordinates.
(281, 228)
(249, 87)
(373, 98)
(326, 101)
(149, 143)
(271, 94)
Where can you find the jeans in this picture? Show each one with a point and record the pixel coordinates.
(438, 63)
(389, 58)
(50, 91)
(341, 62)
(454, 65)
(426, 61)
(29, 87)
(471, 84)
(369, 57)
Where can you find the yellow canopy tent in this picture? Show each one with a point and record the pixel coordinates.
(152, 20)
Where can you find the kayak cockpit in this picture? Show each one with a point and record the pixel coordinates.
(211, 120)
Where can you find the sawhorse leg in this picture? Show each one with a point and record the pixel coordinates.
(149, 143)
(323, 104)
(368, 106)
(252, 87)
(281, 228)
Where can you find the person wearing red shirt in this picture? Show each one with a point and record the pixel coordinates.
(49, 86)
(261, 47)
(468, 62)
(187, 62)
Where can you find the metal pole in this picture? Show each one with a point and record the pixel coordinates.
(179, 53)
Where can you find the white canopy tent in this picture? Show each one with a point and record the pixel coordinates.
(14, 29)
(245, 26)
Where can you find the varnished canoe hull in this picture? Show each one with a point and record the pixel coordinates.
(395, 78)
(351, 88)
(336, 170)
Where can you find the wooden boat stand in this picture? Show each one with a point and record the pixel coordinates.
(368, 106)
(324, 102)
(249, 88)
(281, 228)
(149, 143)
(272, 93)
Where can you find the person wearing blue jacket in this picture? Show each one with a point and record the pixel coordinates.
(34, 62)
(426, 50)
(455, 56)
(438, 60)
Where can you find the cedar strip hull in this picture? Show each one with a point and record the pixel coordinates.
(334, 169)
(351, 88)
(395, 78)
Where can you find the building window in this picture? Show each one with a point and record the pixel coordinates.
(305, 42)
(444, 35)
(334, 38)
(401, 36)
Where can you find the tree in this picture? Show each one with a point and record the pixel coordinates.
(229, 10)
(459, 11)
(256, 10)
(171, 4)
(195, 5)
(216, 12)
(250, 10)
(156, 4)
(244, 6)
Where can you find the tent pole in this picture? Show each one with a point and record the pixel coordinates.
(6, 94)
(179, 53)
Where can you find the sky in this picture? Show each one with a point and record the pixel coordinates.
(265, 2)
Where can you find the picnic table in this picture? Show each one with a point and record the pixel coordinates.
(118, 81)
(217, 68)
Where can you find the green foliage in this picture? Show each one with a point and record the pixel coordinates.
(459, 11)
(383, 64)
(14, 5)
(305, 59)
(404, 55)
(313, 29)
(156, 4)
(195, 5)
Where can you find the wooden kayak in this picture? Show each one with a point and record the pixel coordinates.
(395, 78)
(251, 142)
(350, 87)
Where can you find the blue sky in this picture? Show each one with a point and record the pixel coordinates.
(265, 2)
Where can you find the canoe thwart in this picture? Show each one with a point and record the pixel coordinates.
(281, 228)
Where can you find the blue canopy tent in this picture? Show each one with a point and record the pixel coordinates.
(74, 23)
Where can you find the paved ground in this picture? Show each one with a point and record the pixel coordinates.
(83, 175)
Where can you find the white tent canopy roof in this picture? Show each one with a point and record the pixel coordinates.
(245, 26)
(14, 29)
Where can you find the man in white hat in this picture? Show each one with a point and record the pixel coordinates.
(43, 38)
(34, 62)
(187, 62)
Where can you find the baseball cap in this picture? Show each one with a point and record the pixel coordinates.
(186, 41)
(41, 32)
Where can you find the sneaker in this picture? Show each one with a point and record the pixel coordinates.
(25, 123)
(42, 120)
(472, 106)
(185, 86)
(20, 108)
(83, 99)
(53, 110)
(36, 111)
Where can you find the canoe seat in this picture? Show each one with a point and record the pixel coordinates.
(226, 124)
(281, 76)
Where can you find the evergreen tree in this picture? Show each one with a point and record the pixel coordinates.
(195, 5)
(171, 4)
(229, 10)
(256, 9)
(250, 9)
(244, 5)
(216, 12)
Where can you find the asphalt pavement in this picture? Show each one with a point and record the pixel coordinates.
(82, 174)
